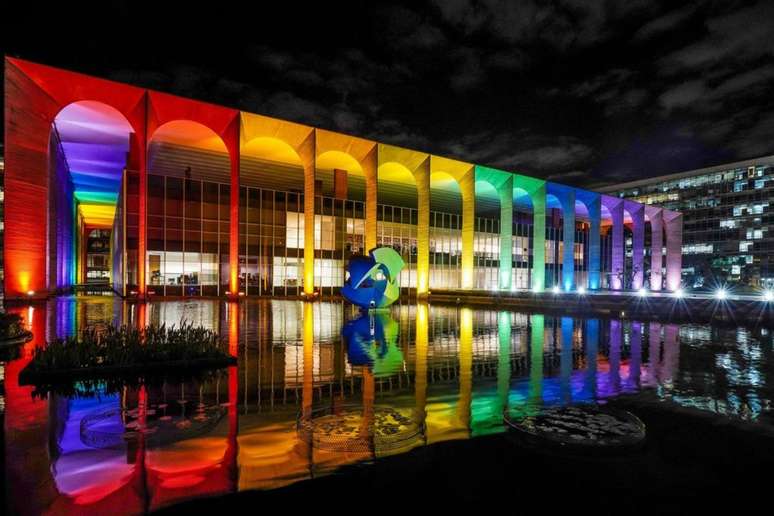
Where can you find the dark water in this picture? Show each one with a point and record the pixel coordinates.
(412, 377)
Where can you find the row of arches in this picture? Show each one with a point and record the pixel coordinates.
(116, 149)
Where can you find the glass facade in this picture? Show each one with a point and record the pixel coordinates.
(187, 235)
(188, 240)
(726, 237)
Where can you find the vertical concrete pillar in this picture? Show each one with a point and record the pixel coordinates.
(468, 190)
(422, 178)
(656, 246)
(538, 198)
(568, 237)
(673, 221)
(369, 169)
(637, 213)
(505, 192)
(233, 233)
(306, 152)
(595, 215)
(615, 206)
(141, 157)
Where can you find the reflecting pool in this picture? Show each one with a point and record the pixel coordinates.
(319, 386)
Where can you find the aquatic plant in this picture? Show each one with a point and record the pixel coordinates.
(128, 347)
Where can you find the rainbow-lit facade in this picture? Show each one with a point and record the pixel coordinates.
(169, 176)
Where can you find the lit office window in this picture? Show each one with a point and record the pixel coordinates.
(729, 224)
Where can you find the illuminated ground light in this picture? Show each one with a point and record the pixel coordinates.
(679, 293)
(768, 295)
(642, 292)
(555, 289)
(721, 294)
(581, 290)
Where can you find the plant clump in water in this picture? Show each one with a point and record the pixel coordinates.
(126, 347)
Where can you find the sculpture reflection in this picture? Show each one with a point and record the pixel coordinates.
(372, 341)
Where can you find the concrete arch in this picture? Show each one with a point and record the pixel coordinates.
(358, 156)
(614, 212)
(502, 184)
(673, 226)
(225, 123)
(635, 212)
(565, 199)
(400, 162)
(464, 176)
(90, 141)
(655, 218)
(293, 143)
(192, 135)
(532, 189)
(588, 205)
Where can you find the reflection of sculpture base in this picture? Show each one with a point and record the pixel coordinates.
(579, 429)
(344, 429)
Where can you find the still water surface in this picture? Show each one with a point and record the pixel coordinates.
(374, 386)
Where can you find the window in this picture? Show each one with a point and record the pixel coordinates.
(745, 247)
(155, 267)
(698, 249)
(729, 224)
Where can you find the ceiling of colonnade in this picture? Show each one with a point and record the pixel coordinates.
(94, 138)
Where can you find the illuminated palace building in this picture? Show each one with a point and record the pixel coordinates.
(140, 190)
(727, 215)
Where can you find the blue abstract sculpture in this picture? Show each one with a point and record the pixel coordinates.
(372, 281)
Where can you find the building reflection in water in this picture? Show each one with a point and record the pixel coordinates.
(453, 371)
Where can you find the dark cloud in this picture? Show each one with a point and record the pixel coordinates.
(739, 35)
(573, 90)
(665, 23)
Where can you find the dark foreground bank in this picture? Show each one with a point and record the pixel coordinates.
(692, 461)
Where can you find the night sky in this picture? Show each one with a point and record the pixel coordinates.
(576, 91)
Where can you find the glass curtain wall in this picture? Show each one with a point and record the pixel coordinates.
(445, 250)
(188, 222)
(271, 242)
(187, 236)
